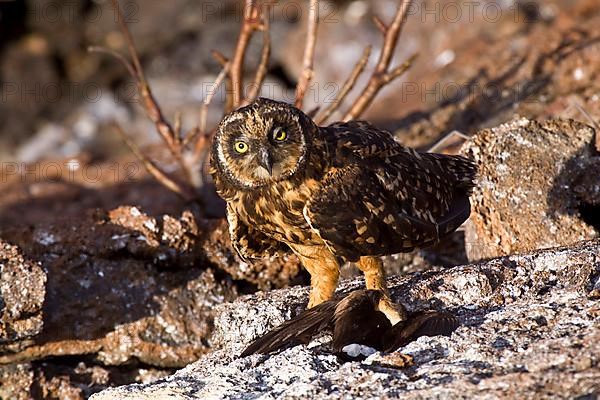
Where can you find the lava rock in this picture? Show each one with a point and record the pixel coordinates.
(529, 328)
(22, 292)
(525, 198)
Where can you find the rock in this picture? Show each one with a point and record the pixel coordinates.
(529, 328)
(16, 380)
(22, 291)
(123, 287)
(527, 192)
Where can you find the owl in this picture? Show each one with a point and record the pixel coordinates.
(346, 192)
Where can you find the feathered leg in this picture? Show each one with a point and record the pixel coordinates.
(372, 267)
(324, 271)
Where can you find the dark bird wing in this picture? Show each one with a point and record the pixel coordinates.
(251, 243)
(383, 198)
(298, 330)
(427, 323)
(356, 320)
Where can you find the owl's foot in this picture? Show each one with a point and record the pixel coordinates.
(314, 301)
(395, 312)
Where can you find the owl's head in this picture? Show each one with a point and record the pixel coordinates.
(262, 143)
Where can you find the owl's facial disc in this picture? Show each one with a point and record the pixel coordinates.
(263, 143)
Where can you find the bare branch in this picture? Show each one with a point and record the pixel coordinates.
(347, 87)
(249, 25)
(452, 140)
(177, 126)
(309, 53)
(379, 24)
(401, 69)
(380, 75)
(261, 71)
(153, 169)
(591, 119)
(219, 57)
(203, 139)
(582, 110)
(202, 133)
(115, 54)
(129, 40)
(210, 96)
(198, 132)
(153, 110)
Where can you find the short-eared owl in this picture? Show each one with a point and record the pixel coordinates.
(344, 192)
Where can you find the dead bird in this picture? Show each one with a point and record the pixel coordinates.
(354, 319)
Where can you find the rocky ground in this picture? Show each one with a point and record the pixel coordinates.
(107, 278)
(530, 328)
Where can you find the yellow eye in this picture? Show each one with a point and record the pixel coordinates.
(279, 134)
(240, 147)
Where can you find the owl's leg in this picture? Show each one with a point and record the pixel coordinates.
(324, 271)
(375, 279)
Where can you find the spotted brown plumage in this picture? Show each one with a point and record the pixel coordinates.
(345, 192)
(386, 198)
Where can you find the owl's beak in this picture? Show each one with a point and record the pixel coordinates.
(265, 160)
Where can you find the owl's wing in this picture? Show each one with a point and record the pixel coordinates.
(362, 143)
(250, 243)
(383, 198)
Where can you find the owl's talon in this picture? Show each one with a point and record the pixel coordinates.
(395, 312)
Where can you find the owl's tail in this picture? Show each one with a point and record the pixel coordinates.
(459, 170)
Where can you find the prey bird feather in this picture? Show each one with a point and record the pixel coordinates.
(353, 319)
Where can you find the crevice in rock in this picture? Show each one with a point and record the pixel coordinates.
(590, 214)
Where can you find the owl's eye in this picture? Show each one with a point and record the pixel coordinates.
(279, 134)
(240, 147)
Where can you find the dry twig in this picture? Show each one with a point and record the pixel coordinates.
(171, 136)
(263, 66)
(158, 174)
(309, 53)
(256, 17)
(115, 54)
(452, 140)
(591, 119)
(203, 136)
(223, 61)
(379, 24)
(150, 104)
(347, 87)
(249, 25)
(381, 76)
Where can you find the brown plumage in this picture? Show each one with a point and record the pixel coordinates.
(354, 319)
(345, 192)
